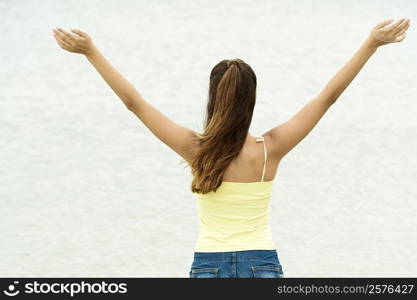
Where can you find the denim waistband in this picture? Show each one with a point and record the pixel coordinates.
(230, 256)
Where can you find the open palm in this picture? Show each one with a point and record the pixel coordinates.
(390, 32)
(76, 42)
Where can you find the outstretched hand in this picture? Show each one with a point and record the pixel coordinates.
(76, 42)
(388, 31)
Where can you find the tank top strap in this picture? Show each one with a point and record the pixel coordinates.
(262, 139)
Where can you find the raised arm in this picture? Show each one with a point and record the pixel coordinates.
(173, 135)
(287, 135)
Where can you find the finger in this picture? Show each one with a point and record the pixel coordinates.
(62, 44)
(401, 37)
(400, 26)
(60, 35)
(61, 41)
(383, 23)
(394, 24)
(68, 37)
(67, 34)
(403, 30)
(79, 32)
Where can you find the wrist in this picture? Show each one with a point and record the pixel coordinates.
(92, 51)
(372, 43)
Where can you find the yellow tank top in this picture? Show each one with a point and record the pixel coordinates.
(236, 216)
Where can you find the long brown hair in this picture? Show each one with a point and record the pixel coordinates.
(231, 100)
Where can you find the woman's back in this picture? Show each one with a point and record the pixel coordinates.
(235, 217)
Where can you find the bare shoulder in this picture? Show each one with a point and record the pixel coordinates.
(273, 145)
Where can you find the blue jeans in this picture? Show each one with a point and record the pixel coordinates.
(243, 264)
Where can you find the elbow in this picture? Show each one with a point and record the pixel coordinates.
(129, 104)
(333, 100)
(133, 108)
(329, 98)
(336, 96)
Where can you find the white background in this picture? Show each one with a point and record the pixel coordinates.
(87, 190)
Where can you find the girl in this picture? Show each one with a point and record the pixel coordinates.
(233, 171)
